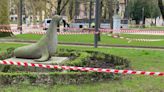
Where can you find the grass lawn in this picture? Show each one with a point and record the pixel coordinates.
(4, 46)
(108, 40)
(148, 60)
(155, 28)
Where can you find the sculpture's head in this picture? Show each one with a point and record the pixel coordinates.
(56, 18)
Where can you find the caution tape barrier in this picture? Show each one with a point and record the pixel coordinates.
(142, 31)
(110, 30)
(44, 32)
(74, 28)
(139, 40)
(89, 31)
(5, 31)
(65, 33)
(83, 69)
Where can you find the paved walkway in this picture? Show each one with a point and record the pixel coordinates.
(84, 44)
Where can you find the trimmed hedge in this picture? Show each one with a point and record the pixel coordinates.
(36, 76)
(55, 78)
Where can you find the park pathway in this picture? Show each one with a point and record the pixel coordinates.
(83, 44)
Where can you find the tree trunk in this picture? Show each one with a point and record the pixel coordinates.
(4, 17)
(60, 8)
(161, 6)
(4, 20)
(34, 17)
(45, 10)
(110, 9)
(18, 16)
(126, 13)
(137, 21)
(70, 10)
(144, 20)
(155, 21)
(40, 17)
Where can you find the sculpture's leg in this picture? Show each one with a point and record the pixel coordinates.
(45, 56)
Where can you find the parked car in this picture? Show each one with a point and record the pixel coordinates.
(46, 23)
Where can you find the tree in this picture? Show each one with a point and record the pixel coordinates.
(16, 4)
(126, 13)
(154, 9)
(142, 9)
(4, 17)
(37, 7)
(61, 4)
(161, 6)
(70, 9)
(110, 11)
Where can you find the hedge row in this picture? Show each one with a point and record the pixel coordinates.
(55, 78)
(18, 74)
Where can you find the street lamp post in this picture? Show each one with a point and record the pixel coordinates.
(96, 23)
(20, 12)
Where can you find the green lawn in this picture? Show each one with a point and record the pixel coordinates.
(148, 60)
(4, 46)
(135, 36)
(108, 40)
(155, 28)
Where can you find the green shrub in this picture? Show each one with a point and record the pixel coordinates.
(80, 61)
(76, 58)
(6, 54)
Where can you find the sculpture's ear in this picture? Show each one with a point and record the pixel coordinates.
(56, 17)
(61, 22)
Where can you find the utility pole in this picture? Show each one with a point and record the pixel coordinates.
(20, 12)
(90, 13)
(97, 22)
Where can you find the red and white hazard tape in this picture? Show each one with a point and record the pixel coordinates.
(39, 27)
(147, 40)
(64, 33)
(44, 32)
(141, 40)
(101, 30)
(77, 33)
(5, 31)
(71, 33)
(24, 26)
(83, 69)
(89, 31)
(142, 31)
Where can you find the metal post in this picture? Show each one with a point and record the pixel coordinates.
(97, 23)
(90, 14)
(20, 12)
